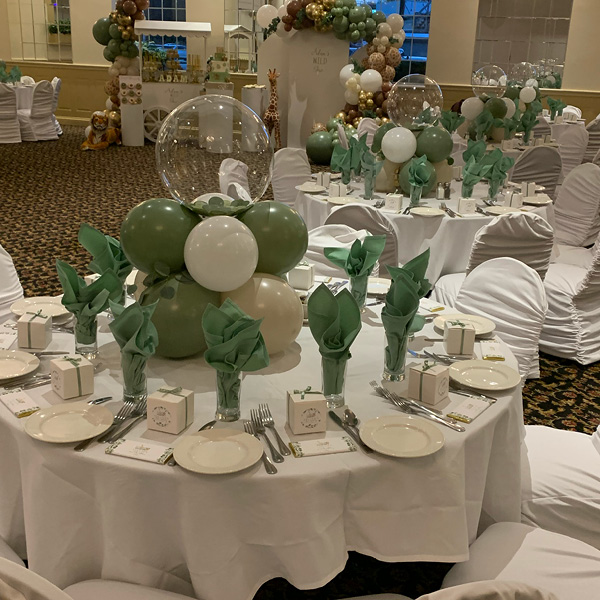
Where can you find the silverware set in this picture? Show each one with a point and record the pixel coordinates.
(483, 212)
(334, 288)
(270, 468)
(349, 423)
(379, 204)
(449, 211)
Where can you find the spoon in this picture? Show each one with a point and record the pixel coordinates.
(350, 418)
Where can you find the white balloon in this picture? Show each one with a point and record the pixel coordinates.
(396, 22)
(221, 253)
(384, 40)
(123, 71)
(527, 94)
(531, 83)
(510, 107)
(346, 73)
(384, 29)
(280, 31)
(551, 78)
(351, 96)
(282, 11)
(471, 108)
(113, 71)
(399, 145)
(109, 104)
(371, 80)
(265, 14)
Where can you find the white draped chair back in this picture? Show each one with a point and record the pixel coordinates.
(27, 80)
(330, 236)
(577, 209)
(596, 159)
(20, 583)
(542, 128)
(368, 126)
(362, 216)
(572, 144)
(56, 85)
(569, 108)
(512, 295)
(593, 129)
(10, 132)
(237, 191)
(10, 286)
(290, 168)
(541, 164)
(36, 123)
(231, 171)
(342, 137)
(491, 590)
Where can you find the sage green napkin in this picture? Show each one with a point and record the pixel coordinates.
(358, 148)
(370, 169)
(473, 172)
(415, 269)
(418, 177)
(451, 120)
(358, 262)
(556, 107)
(528, 122)
(499, 172)
(137, 337)
(483, 123)
(509, 125)
(86, 301)
(235, 344)
(334, 322)
(341, 163)
(476, 149)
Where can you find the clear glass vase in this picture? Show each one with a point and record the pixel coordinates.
(334, 380)
(395, 358)
(228, 396)
(86, 336)
(134, 377)
(415, 195)
(358, 289)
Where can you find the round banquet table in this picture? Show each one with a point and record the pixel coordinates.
(449, 239)
(86, 515)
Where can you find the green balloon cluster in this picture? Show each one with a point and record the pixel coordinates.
(319, 147)
(100, 30)
(497, 107)
(354, 23)
(405, 184)
(109, 35)
(436, 143)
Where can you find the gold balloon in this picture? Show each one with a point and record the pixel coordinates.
(362, 106)
(369, 95)
(311, 10)
(341, 115)
(328, 4)
(370, 104)
(356, 122)
(126, 35)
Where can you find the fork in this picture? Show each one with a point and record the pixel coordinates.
(268, 421)
(125, 411)
(137, 413)
(483, 212)
(260, 429)
(270, 468)
(447, 210)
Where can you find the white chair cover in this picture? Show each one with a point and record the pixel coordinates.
(560, 475)
(330, 236)
(10, 132)
(342, 137)
(596, 439)
(233, 171)
(10, 286)
(541, 164)
(290, 168)
(490, 590)
(542, 128)
(565, 567)
(36, 123)
(572, 145)
(511, 294)
(380, 597)
(362, 216)
(368, 126)
(593, 129)
(97, 589)
(56, 85)
(8, 553)
(596, 160)
(572, 325)
(569, 108)
(26, 80)
(19, 583)
(577, 209)
(237, 191)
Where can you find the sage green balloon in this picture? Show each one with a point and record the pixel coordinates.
(281, 236)
(154, 233)
(100, 30)
(319, 147)
(512, 92)
(178, 319)
(405, 185)
(436, 143)
(115, 32)
(497, 107)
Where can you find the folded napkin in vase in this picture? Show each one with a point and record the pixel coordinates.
(451, 120)
(418, 177)
(476, 149)
(473, 173)
(341, 161)
(415, 269)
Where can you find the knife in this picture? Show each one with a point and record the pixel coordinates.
(349, 431)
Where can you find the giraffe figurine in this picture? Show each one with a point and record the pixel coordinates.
(271, 115)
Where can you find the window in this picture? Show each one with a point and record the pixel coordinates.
(168, 10)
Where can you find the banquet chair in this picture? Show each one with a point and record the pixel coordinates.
(596, 159)
(541, 164)
(368, 126)
(572, 144)
(560, 475)
(10, 286)
(290, 168)
(524, 236)
(363, 216)
(568, 568)
(593, 129)
(56, 85)
(577, 208)
(542, 128)
(238, 192)
(572, 325)
(510, 294)
(10, 132)
(8, 553)
(27, 80)
(36, 123)
(490, 590)
(233, 171)
(569, 108)
(330, 236)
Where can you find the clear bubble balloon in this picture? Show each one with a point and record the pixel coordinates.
(523, 71)
(489, 82)
(199, 135)
(410, 96)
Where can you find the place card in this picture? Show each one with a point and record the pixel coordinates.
(428, 383)
(393, 202)
(148, 451)
(466, 206)
(548, 138)
(559, 119)
(302, 276)
(491, 350)
(513, 199)
(20, 403)
(457, 172)
(7, 338)
(430, 305)
(324, 446)
(539, 141)
(468, 410)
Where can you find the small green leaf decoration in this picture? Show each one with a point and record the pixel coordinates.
(217, 206)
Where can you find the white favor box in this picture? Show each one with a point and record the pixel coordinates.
(513, 199)
(337, 189)
(466, 206)
(72, 376)
(539, 141)
(324, 179)
(34, 330)
(559, 119)
(393, 202)
(170, 410)
(545, 112)
(459, 338)
(457, 172)
(428, 383)
(306, 412)
(548, 138)
(302, 276)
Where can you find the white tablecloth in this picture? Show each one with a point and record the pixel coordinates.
(24, 96)
(90, 515)
(450, 239)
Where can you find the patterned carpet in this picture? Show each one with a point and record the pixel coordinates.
(48, 188)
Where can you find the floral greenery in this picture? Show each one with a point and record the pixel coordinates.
(357, 67)
(9, 77)
(156, 52)
(272, 28)
(217, 206)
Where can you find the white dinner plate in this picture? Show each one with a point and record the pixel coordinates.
(500, 210)
(481, 325)
(342, 200)
(216, 451)
(49, 305)
(65, 423)
(402, 436)
(484, 375)
(14, 363)
(540, 200)
(426, 211)
(378, 286)
(310, 187)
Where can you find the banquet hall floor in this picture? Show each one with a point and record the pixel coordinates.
(48, 188)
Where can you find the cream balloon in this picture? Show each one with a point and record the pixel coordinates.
(471, 108)
(527, 94)
(531, 83)
(396, 22)
(351, 96)
(270, 298)
(346, 73)
(371, 80)
(282, 11)
(221, 253)
(399, 145)
(265, 14)
(384, 29)
(510, 107)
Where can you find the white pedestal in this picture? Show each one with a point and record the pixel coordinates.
(132, 116)
(256, 98)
